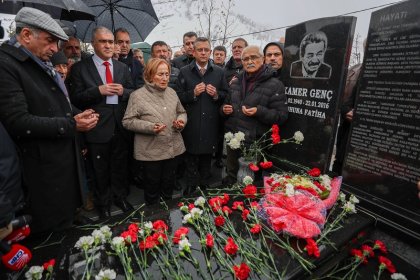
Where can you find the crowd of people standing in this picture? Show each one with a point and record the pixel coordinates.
(85, 126)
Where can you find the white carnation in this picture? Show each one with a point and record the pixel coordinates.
(187, 218)
(184, 245)
(117, 242)
(35, 272)
(107, 274)
(234, 144)
(196, 213)
(325, 181)
(398, 276)
(228, 136)
(148, 225)
(240, 136)
(106, 231)
(353, 199)
(298, 136)
(200, 201)
(247, 180)
(98, 236)
(349, 207)
(84, 242)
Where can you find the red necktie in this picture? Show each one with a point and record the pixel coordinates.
(108, 74)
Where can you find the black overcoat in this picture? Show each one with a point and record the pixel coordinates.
(267, 95)
(201, 132)
(39, 118)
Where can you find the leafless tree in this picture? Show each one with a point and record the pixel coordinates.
(356, 52)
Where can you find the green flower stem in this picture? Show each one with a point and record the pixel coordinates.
(307, 265)
(139, 263)
(332, 226)
(86, 271)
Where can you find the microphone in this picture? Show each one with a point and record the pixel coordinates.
(15, 256)
(21, 229)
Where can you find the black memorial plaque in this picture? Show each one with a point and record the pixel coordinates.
(383, 156)
(314, 69)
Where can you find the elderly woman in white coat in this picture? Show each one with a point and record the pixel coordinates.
(156, 116)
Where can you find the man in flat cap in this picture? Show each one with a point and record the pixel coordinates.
(36, 111)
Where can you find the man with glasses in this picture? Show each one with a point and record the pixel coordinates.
(273, 55)
(201, 89)
(185, 59)
(105, 84)
(257, 101)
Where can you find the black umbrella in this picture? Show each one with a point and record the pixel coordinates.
(69, 10)
(137, 16)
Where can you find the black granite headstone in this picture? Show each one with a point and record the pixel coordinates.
(383, 156)
(315, 64)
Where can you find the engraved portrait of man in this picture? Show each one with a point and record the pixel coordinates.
(311, 64)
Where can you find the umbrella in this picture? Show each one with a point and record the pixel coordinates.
(137, 16)
(69, 10)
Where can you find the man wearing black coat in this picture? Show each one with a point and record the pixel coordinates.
(257, 101)
(185, 59)
(105, 85)
(11, 195)
(36, 111)
(122, 38)
(234, 65)
(201, 89)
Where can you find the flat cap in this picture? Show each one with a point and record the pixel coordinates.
(38, 19)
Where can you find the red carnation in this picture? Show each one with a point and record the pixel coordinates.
(250, 191)
(180, 204)
(275, 129)
(381, 246)
(312, 248)
(255, 229)
(386, 263)
(238, 205)
(253, 167)
(231, 248)
(266, 164)
(358, 255)
(160, 225)
(219, 221)
(159, 237)
(182, 231)
(367, 251)
(254, 205)
(262, 191)
(314, 172)
(209, 240)
(227, 210)
(216, 203)
(191, 206)
(241, 271)
(131, 234)
(275, 138)
(225, 198)
(245, 214)
(49, 265)
(148, 243)
(133, 227)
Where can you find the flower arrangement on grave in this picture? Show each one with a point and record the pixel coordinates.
(255, 151)
(237, 233)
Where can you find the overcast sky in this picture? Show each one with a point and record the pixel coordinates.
(267, 14)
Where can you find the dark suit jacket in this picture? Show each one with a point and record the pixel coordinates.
(39, 118)
(201, 132)
(84, 83)
(324, 71)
